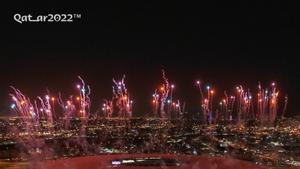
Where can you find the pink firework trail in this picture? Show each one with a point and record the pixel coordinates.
(162, 101)
(121, 99)
(85, 101)
(242, 106)
(206, 102)
(160, 98)
(107, 108)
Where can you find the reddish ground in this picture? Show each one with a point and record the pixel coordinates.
(104, 161)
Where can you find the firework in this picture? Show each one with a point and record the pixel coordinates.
(238, 107)
(241, 106)
(107, 108)
(121, 99)
(162, 100)
(84, 99)
(206, 101)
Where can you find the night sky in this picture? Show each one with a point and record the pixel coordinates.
(222, 44)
